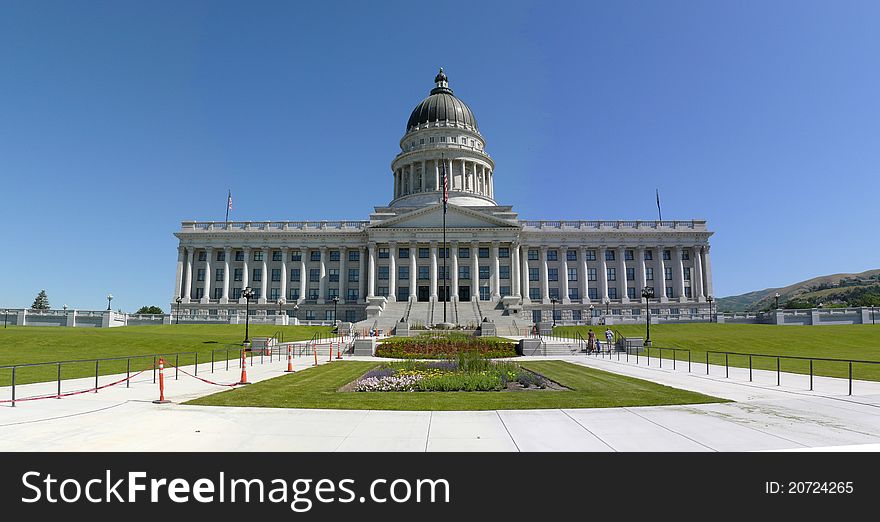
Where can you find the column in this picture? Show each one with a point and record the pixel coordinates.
(209, 251)
(371, 271)
(660, 276)
(563, 276)
(640, 272)
(545, 286)
(697, 276)
(707, 271)
(494, 272)
(524, 274)
(453, 291)
(285, 254)
(343, 273)
(245, 278)
(475, 270)
(603, 274)
(678, 275)
(303, 275)
(514, 270)
(437, 181)
(322, 278)
(584, 273)
(621, 276)
(433, 270)
(264, 283)
(412, 187)
(187, 282)
(392, 271)
(413, 272)
(362, 275)
(227, 254)
(178, 280)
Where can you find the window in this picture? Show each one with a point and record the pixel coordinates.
(218, 293)
(668, 271)
(310, 314)
(609, 255)
(314, 275)
(452, 139)
(431, 139)
(505, 291)
(274, 294)
(687, 292)
(649, 255)
(573, 293)
(221, 255)
(351, 315)
(200, 274)
(464, 252)
(636, 311)
(383, 253)
(294, 274)
(534, 293)
(553, 274)
(533, 274)
(484, 293)
(237, 274)
(484, 252)
(612, 293)
(218, 274)
(630, 274)
(631, 292)
(571, 255)
(332, 292)
(203, 256)
(353, 275)
(258, 292)
(276, 255)
(575, 315)
(354, 255)
(258, 255)
(422, 141)
(572, 274)
(591, 255)
(315, 255)
(257, 275)
(313, 294)
(554, 293)
(666, 256)
(293, 294)
(687, 273)
(464, 272)
(669, 292)
(557, 315)
(423, 253)
(593, 293)
(551, 255)
(239, 255)
(403, 273)
(612, 274)
(503, 252)
(443, 253)
(649, 274)
(591, 274)
(504, 272)
(296, 255)
(423, 272)
(352, 294)
(484, 272)
(403, 253)
(685, 255)
(628, 255)
(333, 275)
(382, 291)
(236, 293)
(443, 139)
(533, 254)
(383, 273)
(442, 273)
(403, 293)
(276, 274)
(334, 255)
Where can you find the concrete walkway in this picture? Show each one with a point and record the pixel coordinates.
(764, 417)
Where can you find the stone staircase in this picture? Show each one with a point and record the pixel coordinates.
(463, 313)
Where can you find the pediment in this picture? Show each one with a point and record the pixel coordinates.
(456, 217)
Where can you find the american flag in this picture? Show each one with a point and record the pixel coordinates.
(229, 201)
(445, 186)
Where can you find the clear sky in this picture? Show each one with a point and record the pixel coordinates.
(119, 119)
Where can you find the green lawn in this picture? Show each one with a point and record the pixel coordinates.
(34, 344)
(316, 388)
(859, 341)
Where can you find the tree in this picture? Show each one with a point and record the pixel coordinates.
(150, 310)
(41, 302)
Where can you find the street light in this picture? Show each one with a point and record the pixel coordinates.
(280, 303)
(591, 314)
(607, 302)
(553, 302)
(109, 298)
(247, 293)
(777, 300)
(335, 303)
(648, 293)
(178, 300)
(295, 308)
(65, 307)
(710, 299)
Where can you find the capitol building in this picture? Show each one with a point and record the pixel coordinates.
(395, 265)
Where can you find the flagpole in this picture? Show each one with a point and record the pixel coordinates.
(659, 214)
(228, 199)
(445, 249)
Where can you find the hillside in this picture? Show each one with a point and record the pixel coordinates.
(862, 289)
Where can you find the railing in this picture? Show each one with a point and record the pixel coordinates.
(273, 225)
(779, 358)
(542, 224)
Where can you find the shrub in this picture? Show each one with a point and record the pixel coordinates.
(429, 347)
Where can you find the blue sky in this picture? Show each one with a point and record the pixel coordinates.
(120, 119)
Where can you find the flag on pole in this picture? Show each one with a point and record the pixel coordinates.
(445, 186)
(659, 213)
(228, 204)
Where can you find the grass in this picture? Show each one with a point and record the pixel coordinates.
(37, 344)
(317, 388)
(858, 341)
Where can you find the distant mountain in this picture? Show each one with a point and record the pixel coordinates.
(831, 290)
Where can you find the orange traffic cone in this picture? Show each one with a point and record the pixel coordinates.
(161, 383)
(243, 369)
(339, 350)
(315, 349)
(289, 360)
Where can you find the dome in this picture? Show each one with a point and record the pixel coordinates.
(442, 105)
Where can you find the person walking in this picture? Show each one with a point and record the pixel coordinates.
(609, 336)
(591, 340)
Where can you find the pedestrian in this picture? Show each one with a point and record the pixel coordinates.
(609, 336)
(591, 340)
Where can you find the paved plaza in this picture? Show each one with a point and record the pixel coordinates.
(763, 417)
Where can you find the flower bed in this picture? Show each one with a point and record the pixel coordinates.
(441, 347)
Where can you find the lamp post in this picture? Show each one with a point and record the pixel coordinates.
(553, 302)
(109, 298)
(280, 303)
(247, 293)
(295, 308)
(5, 316)
(177, 315)
(710, 299)
(648, 293)
(335, 304)
(607, 305)
(591, 314)
(777, 300)
(64, 307)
